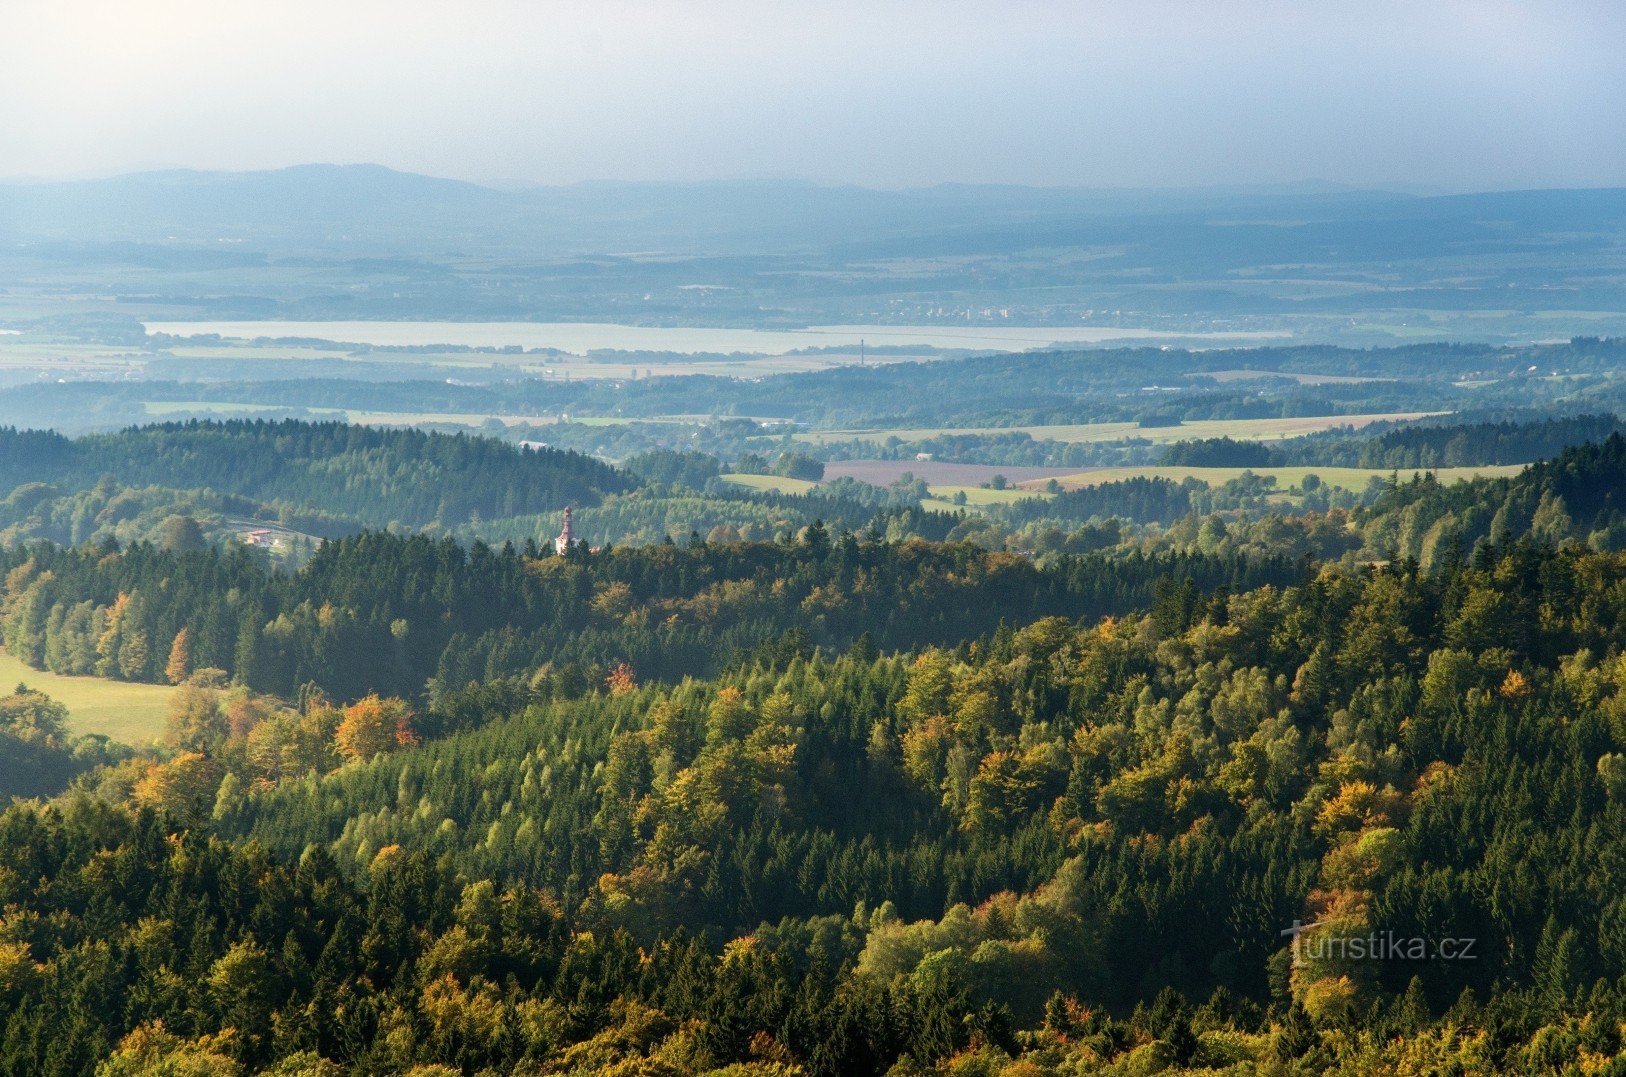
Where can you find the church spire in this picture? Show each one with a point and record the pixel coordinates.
(566, 538)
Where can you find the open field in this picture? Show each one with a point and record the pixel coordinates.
(1226, 376)
(132, 713)
(1240, 429)
(775, 483)
(935, 472)
(939, 497)
(1349, 478)
(943, 496)
(55, 360)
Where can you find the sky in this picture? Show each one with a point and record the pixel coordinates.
(1421, 94)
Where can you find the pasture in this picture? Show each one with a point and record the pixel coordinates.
(775, 483)
(938, 497)
(1348, 478)
(132, 713)
(979, 496)
(935, 472)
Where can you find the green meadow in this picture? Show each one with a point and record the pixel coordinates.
(131, 713)
(1348, 478)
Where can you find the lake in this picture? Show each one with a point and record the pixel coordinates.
(579, 338)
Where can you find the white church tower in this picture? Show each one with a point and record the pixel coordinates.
(566, 538)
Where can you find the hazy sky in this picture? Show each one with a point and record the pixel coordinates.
(1459, 95)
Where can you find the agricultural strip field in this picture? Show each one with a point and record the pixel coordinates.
(936, 472)
(131, 713)
(1349, 478)
(942, 493)
(938, 496)
(1240, 429)
(1225, 376)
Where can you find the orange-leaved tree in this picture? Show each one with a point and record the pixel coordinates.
(374, 725)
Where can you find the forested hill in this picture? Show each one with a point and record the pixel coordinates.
(1580, 495)
(1071, 849)
(1457, 441)
(387, 613)
(372, 475)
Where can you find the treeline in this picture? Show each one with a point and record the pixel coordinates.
(388, 613)
(1153, 500)
(1034, 388)
(1455, 444)
(1451, 441)
(727, 514)
(997, 447)
(1422, 444)
(328, 480)
(374, 476)
(1164, 502)
(1578, 496)
(1574, 499)
(1218, 452)
(38, 755)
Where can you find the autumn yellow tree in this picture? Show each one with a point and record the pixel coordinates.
(195, 722)
(151, 1049)
(180, 658)
(184, 787)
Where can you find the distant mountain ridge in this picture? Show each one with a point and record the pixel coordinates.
(371, 207)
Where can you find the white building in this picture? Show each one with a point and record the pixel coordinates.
(566, 538)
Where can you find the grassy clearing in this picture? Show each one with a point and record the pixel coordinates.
(775, 483)
(1240, 429)
(978, 495)
(1349, 478)
(132, 713)
(938, 497)
(67, 359)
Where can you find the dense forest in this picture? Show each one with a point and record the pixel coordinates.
(1070, 846)
(183, 485)
(373, 476)
(1192, 785)
(380, 612)
(1578, 496)
(1449, 441)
